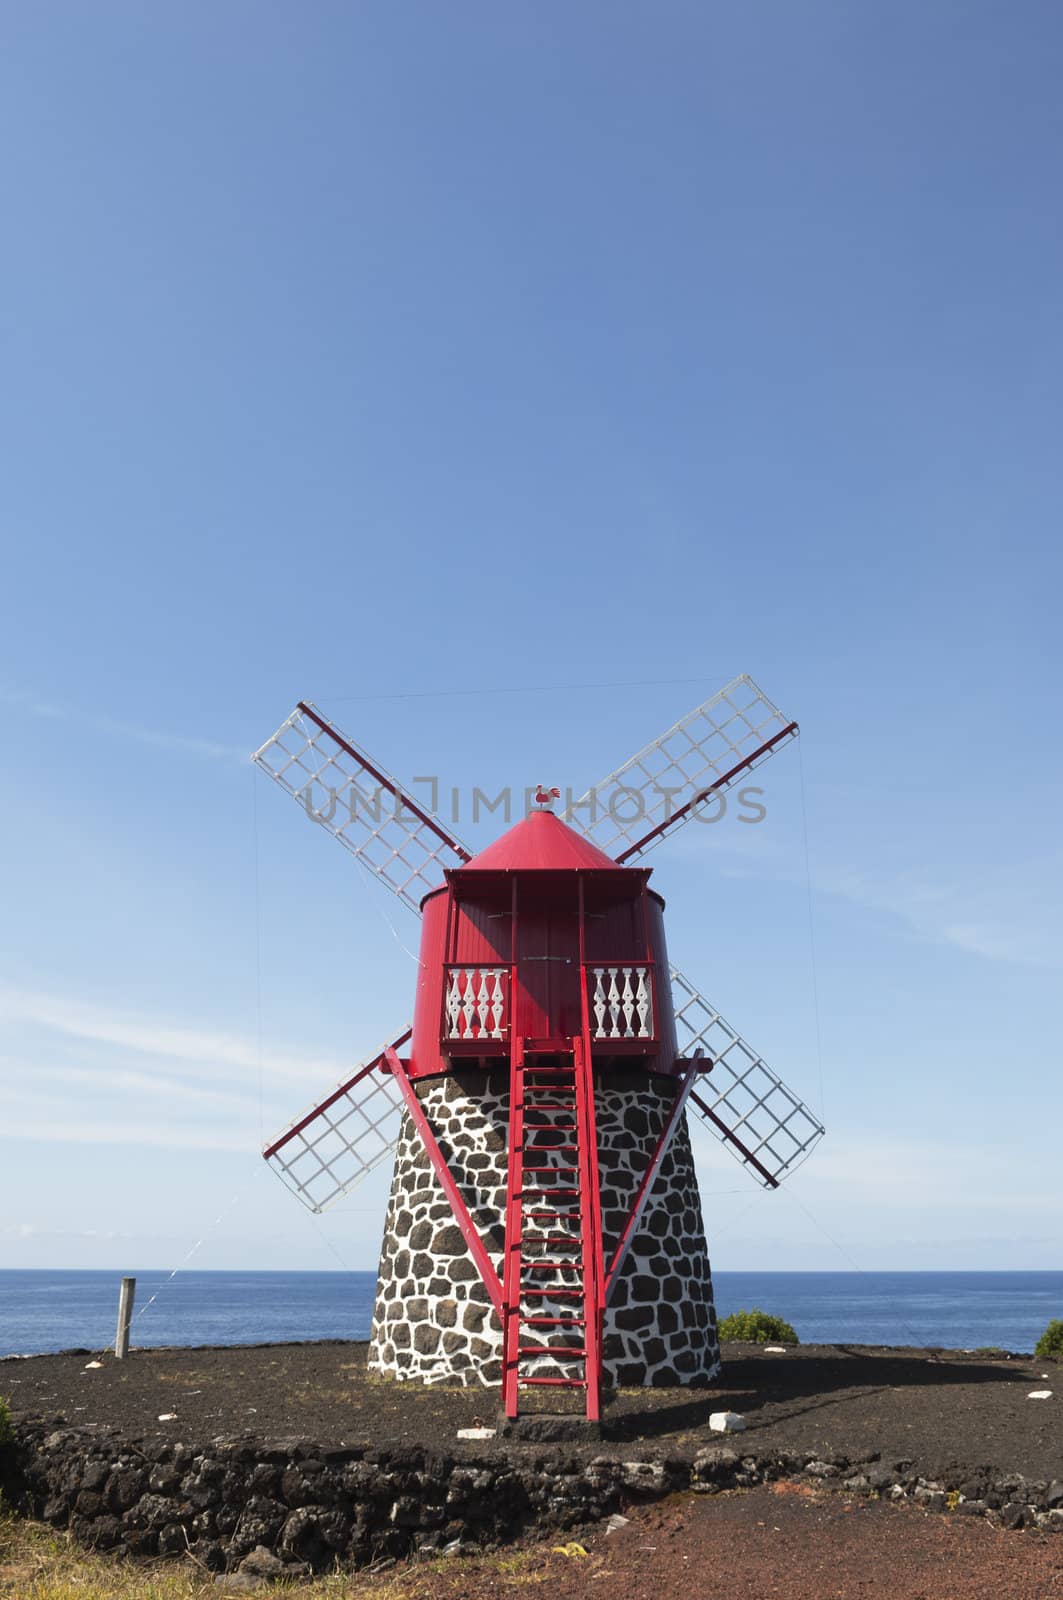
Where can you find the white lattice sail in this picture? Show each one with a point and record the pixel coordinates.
(741, 1101)
(360, 804)
(665, 785)
(338, 1142)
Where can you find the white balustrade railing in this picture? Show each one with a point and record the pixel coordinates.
(475, 1003)
(622, 1003)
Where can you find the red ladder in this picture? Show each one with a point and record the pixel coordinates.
(552, 1183)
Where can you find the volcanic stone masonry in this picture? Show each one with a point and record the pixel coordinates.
(277, 1509)
(433, 1321)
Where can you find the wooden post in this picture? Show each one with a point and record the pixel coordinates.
(125, 1317)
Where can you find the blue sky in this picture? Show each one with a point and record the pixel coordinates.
(506, 379)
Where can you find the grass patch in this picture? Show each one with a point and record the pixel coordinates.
(36, 1563)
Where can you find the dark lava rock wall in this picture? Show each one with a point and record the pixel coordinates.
(289, 1506)
(433, 1321)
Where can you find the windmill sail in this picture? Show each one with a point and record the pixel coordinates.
(339, 1141)
(742, 1101)
(712, 747)
(360, 804)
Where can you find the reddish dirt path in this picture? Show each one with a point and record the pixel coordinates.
(789, 1542)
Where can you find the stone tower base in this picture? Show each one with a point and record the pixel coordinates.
(433, 1321)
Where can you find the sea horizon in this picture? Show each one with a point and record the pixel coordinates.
(768, 1272)
(46, 1309)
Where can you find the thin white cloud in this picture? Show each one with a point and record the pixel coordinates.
(898, 1176)
(1010, 916)
(149, 1036)
(934, 1176)
(999, 922)
(116, 1080)
(30, 1230)
(80, 1073)
(159, 738)
(46, 1128)
(92, 1105)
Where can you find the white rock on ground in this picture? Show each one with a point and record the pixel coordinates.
(1040, 1394)
(727, 1422)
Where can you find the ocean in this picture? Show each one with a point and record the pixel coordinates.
(43, 1311)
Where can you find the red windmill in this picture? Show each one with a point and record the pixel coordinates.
(545, 1001)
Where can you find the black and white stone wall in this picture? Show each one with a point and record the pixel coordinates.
(433, 1320)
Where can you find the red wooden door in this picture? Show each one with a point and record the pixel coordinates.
(548, 999)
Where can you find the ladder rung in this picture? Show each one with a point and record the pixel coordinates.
(538, 1194)
(533, 1149)
(544, 1105)
(546, 1294)
(556, 1352)
(556, 1383)
(543, 1266)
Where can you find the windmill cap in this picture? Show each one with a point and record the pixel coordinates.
(541, 842)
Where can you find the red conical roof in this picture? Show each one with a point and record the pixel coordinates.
(541, 843)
